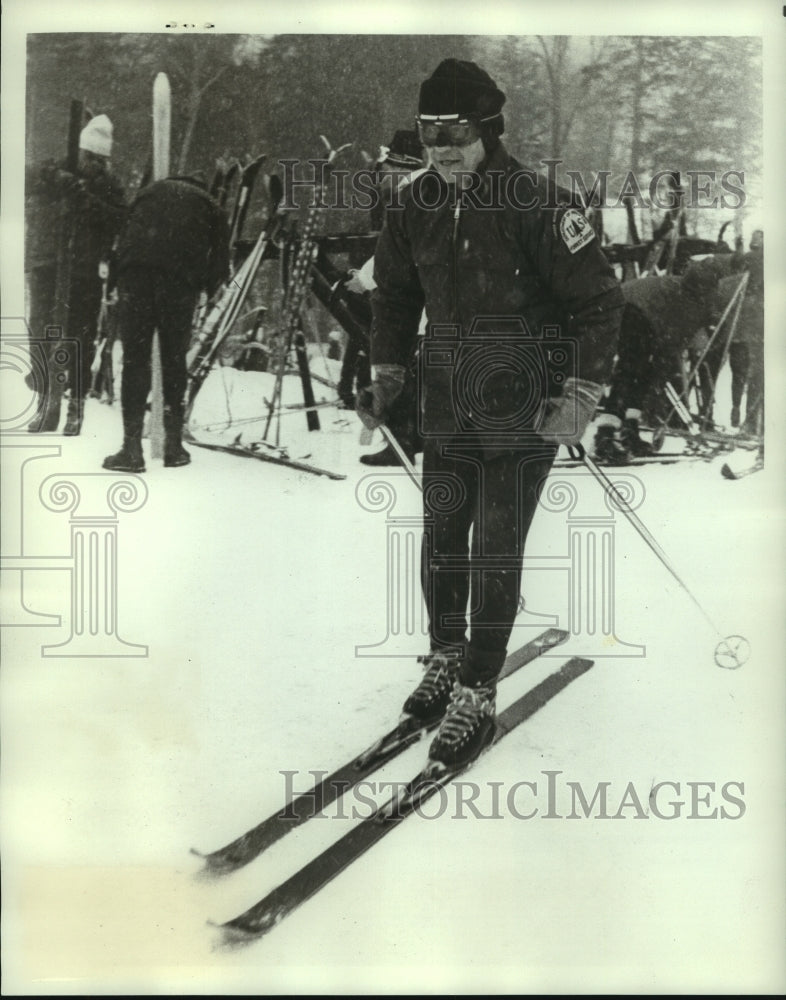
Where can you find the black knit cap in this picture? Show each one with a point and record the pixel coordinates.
(457, 87)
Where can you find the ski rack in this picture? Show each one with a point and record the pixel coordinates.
(312, 272)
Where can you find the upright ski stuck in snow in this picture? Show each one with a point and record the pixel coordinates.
(252, 843)
(315, 874)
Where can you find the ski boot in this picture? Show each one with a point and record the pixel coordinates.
(735, 416)
(175, 454)
(429, 700)
(467, 728)
(631, 440)
(128, 459)
(608, 446)
(387, 457)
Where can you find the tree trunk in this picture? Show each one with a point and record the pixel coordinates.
(635, 141)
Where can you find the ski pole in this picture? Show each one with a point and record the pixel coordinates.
(684, 395)
(742, 289)
(408, 466)
(732, 651)
(680, 408)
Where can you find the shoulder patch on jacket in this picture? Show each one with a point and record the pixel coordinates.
(575, 231)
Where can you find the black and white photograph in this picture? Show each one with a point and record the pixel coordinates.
(392, 571)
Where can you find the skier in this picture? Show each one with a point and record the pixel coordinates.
(175, 244)
(661, 317)
(490, 279)
(96, 206)
(746, 351)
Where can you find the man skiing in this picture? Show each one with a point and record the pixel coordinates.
(95, 208)
(523, 312)
(175, 244)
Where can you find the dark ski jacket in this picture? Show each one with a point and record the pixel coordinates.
(96, 204)
(175, 226)
(675, 307)
(516, 299)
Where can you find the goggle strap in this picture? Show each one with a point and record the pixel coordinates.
(451, 119)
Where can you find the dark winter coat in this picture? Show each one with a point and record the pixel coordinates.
(750, 324)
(98, 208)
(493, 281)
(675, 312)
(175, 226)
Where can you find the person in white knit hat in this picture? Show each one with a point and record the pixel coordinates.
(95, 202)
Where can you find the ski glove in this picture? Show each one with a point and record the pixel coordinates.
(568, 415)
(375, 401)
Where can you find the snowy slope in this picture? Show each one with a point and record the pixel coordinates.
(252, 585)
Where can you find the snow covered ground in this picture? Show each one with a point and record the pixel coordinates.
(252, 586)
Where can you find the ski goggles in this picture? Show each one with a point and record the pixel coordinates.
(448, 130)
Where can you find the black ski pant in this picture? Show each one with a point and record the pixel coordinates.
(644, 363)
(41, 290)
(754, 405)
(151, 300)
(84, 306)
(355, 366)
(477, 512)
(739, 362)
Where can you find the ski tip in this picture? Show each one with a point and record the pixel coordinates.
(214, 865)
(230, 937)
(250, 927)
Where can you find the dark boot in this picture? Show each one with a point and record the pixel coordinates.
(467, 728)
(387, 457)
(631, 439)
(608, 446)
(74, 416)
(129, 458)
(47, 419)
(175, 454)
(428, 701)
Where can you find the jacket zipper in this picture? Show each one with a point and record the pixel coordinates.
(456, 216)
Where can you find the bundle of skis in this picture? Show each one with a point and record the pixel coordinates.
(221, 316)
(297, 283)
(297, 252)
